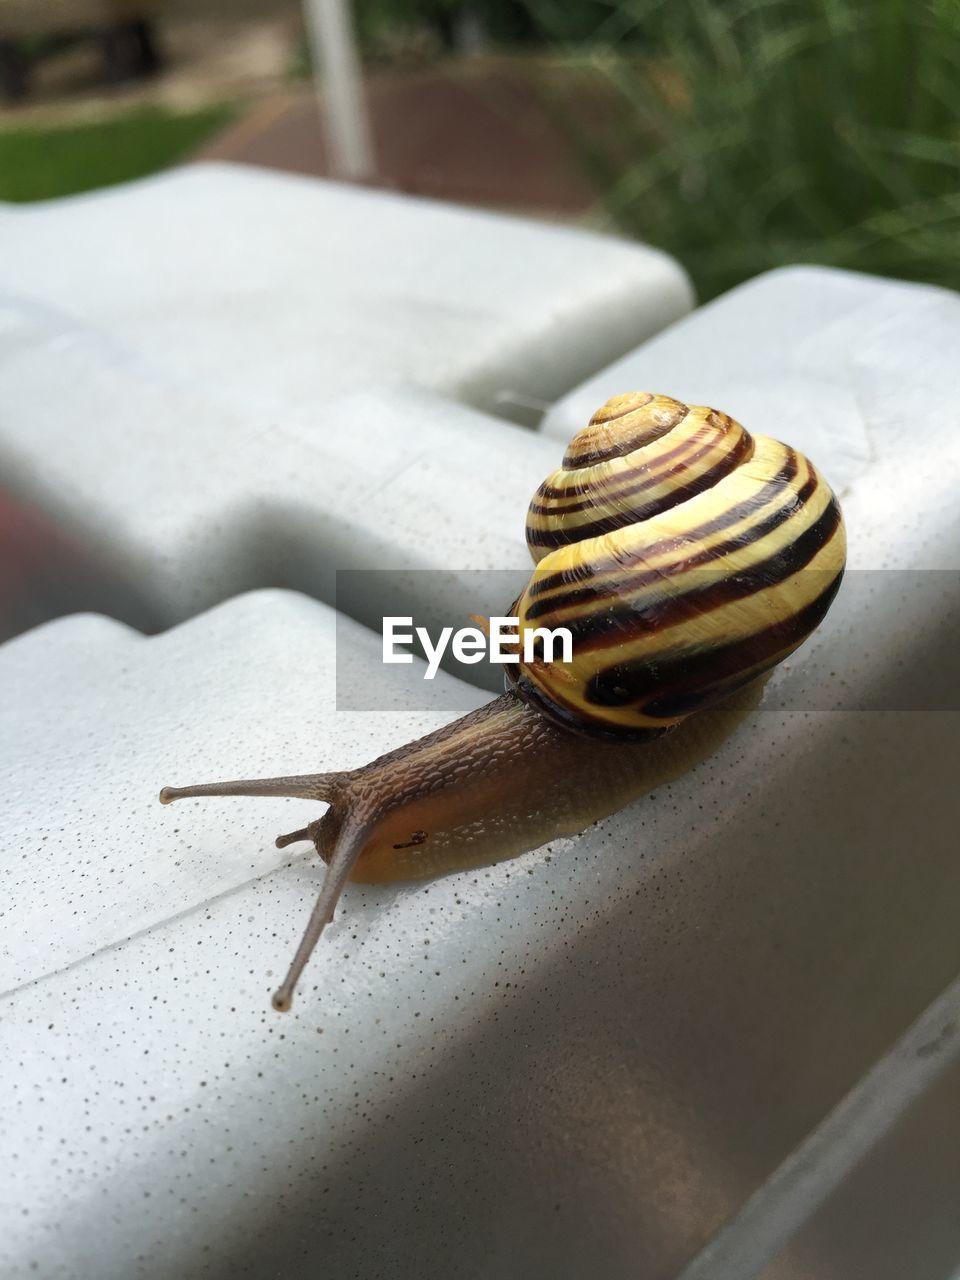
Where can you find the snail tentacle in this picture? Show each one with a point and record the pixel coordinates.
(350, 841)
(307, 786)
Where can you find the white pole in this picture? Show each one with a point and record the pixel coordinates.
(339, 83)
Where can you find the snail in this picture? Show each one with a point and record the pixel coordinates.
(687, 558)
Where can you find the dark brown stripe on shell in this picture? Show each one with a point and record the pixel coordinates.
(617, 624)
(708, 673)
(574, 460)
(575, 721)
(640, 477)
(600, 418)
(545, 582)
(634, 515)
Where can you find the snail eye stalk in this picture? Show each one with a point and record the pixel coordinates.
(308, 786)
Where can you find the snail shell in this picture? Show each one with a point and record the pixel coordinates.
(685, 556)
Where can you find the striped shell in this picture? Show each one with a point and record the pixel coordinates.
(685, 556)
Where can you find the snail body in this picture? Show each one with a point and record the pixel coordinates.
(687, 558)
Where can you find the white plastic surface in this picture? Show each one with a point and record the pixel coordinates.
(92, 709)
(277, 370)
(281, 292)
(460, 1054)
(581, 1062)
(202, 500)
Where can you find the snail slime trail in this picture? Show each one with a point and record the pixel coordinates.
(685, 558)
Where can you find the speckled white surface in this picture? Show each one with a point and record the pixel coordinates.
(91, 707)
(583, 1061)
(284, 291)
(595, 1050)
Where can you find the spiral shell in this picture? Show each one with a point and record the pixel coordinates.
(685, 556)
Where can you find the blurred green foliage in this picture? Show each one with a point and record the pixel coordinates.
(754, 133)
(38, 164)
(743, 134)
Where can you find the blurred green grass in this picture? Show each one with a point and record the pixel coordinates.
(753, 133)
(40, 164)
